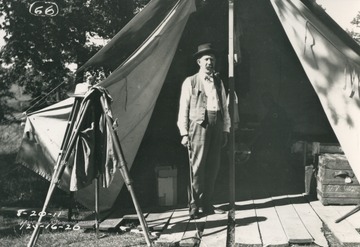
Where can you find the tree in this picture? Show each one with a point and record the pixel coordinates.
(356, 22)
(39, 49)
(4, 94)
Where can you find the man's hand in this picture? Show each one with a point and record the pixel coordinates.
(185, 141)
(225, 139)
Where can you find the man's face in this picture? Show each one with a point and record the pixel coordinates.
(207, 63)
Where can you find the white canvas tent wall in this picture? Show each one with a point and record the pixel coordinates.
(269, 62)
(333, 69)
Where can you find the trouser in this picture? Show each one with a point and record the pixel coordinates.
(204, 153)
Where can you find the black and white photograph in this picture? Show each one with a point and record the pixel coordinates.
(166, 123)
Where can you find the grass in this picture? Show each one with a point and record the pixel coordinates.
(10, 138)
(75, 238)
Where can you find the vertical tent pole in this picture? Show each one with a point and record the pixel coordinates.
(97, 197)
(231, 216)
(231, 107)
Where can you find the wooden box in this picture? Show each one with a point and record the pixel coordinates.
(336, 182)
(166, 185)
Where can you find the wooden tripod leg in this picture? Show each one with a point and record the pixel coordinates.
(59, 169)
(36, 232)
(124, 171)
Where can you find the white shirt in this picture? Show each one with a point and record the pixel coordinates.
(213, 103)
(209, 88)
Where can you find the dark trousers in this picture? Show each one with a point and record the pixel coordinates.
(204, 153)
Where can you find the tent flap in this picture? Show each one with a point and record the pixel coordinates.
(332, 68)
(129, 38)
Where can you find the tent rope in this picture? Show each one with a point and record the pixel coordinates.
(43, 98)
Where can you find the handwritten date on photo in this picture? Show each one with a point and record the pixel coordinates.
(33, 213)
(30, 225)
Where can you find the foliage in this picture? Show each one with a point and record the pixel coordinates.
(356, 22)
(38, 49)
(4, 93)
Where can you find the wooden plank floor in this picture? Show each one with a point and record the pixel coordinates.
(267, 221)
(246, 224)
(344, 231)
(310, 219)
(267, 214)
(271, 221)
(192, 235)
(158, 221)
(271, 230)
(293, 227)
(215, 231)
(176, 228)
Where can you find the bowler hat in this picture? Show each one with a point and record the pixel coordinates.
(205, 49)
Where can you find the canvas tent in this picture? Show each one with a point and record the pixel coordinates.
(134, 87)
(284, 48)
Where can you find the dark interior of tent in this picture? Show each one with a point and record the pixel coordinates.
(267, 70)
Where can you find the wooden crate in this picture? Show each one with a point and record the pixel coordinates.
(336, 182)
(336, 176)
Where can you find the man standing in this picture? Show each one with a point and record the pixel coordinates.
(204, 123)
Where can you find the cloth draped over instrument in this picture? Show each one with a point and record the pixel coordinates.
(94, 149)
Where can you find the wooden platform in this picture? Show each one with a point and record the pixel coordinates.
(277, 219)
(270, 210)
(273, 221)
(269, 221)
(265, 215)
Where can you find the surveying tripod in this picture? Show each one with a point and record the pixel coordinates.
(72, 132)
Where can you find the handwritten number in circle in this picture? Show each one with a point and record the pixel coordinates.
(50, 11)
(39, 8)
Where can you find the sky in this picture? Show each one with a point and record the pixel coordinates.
(342, 11)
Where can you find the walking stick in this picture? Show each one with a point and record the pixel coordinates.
(190, 188)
